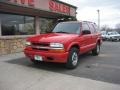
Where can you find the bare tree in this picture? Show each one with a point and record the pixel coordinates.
(106, 28)
(118, 27)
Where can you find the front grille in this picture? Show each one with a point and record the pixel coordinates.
(118, 37)
(40, 49)
(40, 46)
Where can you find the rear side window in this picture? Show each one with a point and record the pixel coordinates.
(85, 27)
(92, 28)
(96, 27)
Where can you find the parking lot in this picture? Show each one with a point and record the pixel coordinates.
(105, 68)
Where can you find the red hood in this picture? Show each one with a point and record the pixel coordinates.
(53, 37)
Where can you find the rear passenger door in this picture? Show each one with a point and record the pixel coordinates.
(93, 34)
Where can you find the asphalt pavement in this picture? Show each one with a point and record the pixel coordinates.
(93, 72)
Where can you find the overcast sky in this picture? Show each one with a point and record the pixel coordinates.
(87, 10)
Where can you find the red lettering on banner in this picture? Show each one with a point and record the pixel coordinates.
(58, 7)
(51, 5)
(23, 2)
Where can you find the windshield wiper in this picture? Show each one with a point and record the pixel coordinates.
(62, 32)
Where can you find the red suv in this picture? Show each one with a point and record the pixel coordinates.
(64, 43)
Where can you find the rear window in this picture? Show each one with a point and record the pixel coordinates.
(70, 28)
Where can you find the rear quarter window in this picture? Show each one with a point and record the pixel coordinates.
(95, 27)
(85, 26)
(92, 28)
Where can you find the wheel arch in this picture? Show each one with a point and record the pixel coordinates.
(99, 41)
(76, 45)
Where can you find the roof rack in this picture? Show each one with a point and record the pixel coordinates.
(90, 22)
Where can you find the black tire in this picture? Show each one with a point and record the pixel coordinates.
(111, 39)
(96, 50)
(73, 58)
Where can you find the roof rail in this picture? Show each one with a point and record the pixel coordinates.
(90, 22)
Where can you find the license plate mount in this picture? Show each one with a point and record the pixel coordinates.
(38, 58)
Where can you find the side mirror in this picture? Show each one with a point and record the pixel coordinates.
(86, 32)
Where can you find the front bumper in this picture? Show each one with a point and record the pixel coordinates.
(47, 56)
(115, 38)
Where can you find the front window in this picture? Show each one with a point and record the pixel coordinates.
(71, 28)
(16, 25)
(112, 33)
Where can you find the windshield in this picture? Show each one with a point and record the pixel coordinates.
(112, 33)
(70, 28)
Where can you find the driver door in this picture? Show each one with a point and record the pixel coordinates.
(85, 46)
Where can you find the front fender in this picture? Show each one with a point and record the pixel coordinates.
(71, 45)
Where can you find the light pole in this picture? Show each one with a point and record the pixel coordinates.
(98, 11)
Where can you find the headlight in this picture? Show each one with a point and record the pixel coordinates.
(28, 43)
(56, 45)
